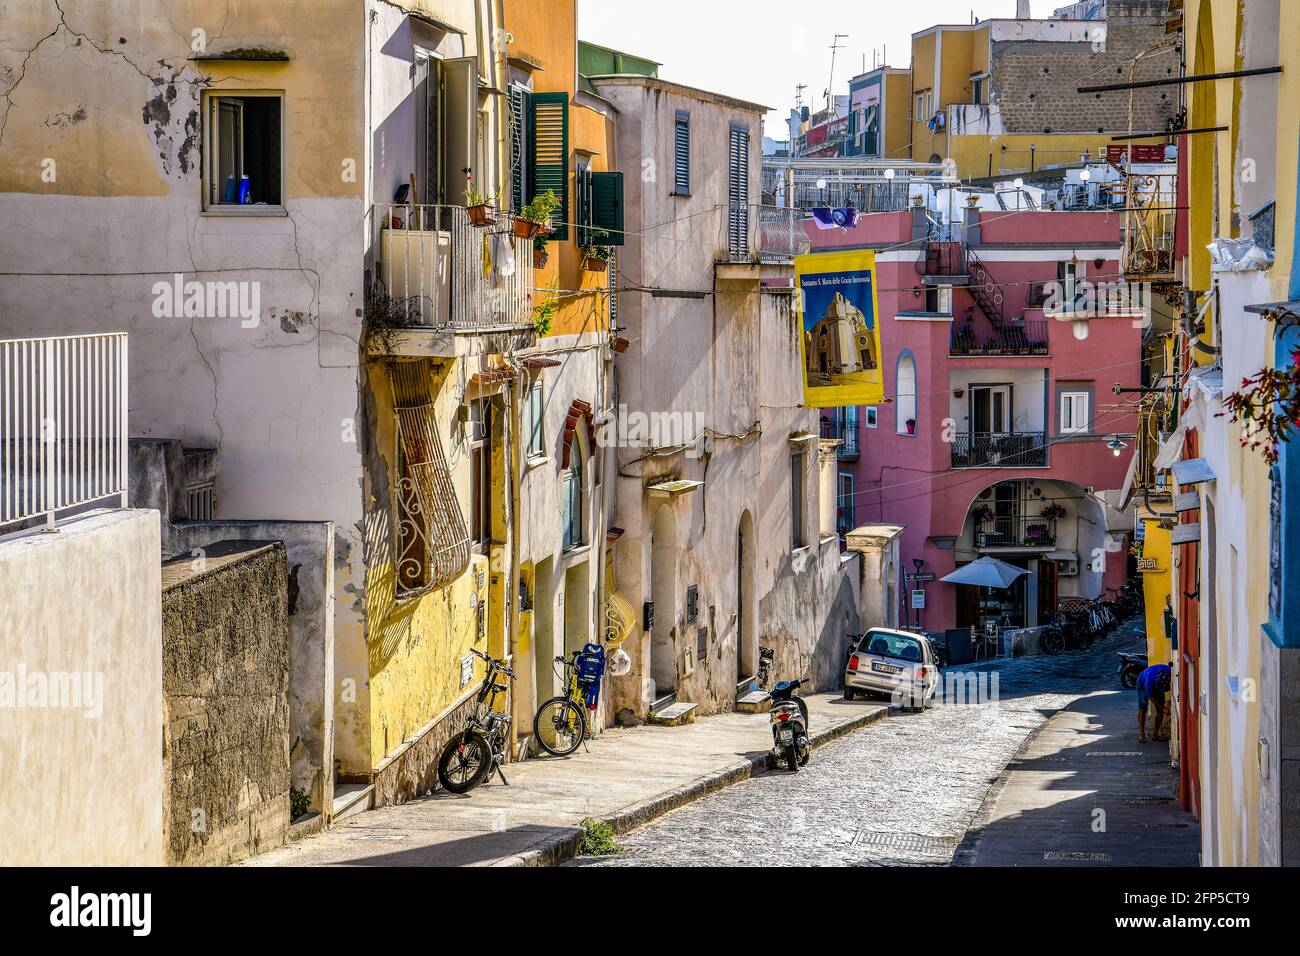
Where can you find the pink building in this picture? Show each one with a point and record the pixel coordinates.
(1000, 434)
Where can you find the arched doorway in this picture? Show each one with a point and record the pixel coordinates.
(663, 592)
(746, 601)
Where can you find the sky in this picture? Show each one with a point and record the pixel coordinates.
(758, 50)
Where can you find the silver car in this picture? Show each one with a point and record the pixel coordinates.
(898, 664)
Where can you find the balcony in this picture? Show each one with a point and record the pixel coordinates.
(63, 426)
(435, 282)
(1152, 208)
(981, 338)
(974, 119)
(1015, 532)
(945, 262)
(1000, 450)
(770, 234)
(845, 431)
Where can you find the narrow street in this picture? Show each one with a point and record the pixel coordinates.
(904, 792)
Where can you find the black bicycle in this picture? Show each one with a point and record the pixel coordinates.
(471, 755)
(561, 722)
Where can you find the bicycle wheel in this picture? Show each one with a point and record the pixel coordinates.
(560, 725)
(465, 762)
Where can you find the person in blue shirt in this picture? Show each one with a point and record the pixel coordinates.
(1153, 684)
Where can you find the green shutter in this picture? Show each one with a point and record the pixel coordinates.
(519, 149)
(607, 205)
(548, 128)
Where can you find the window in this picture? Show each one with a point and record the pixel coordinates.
(844, 518)
(938, 299)
(905, 396)
(480, 471)
(571, 496)
(796, 500)
(979, 86)
(245, 149)
(600, 206)
(533, 419)
(924, 106)
(1074, 413)
(682, 154)
(445, 96)
(738, 192)
(1070, 276)
(870, 419)
(520, 106)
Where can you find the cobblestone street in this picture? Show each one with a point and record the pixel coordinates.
(903, 792)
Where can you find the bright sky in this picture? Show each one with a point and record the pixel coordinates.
(758, 50)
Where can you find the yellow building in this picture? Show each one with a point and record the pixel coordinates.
(1000, 96)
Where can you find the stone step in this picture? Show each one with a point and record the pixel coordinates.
(351, 799)
(752, 702)
(673, 715)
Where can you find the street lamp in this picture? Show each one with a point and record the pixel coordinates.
(1116, 445)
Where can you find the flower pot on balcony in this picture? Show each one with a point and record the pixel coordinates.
(594, 264)
(482, 215)
(620, 344)
(540, 258)
(528, 229)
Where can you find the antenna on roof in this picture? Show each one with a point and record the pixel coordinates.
(830, 84)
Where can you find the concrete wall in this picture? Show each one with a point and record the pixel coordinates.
(225, 640)
(80, 694)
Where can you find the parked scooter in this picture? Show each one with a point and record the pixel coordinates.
(1130, 666)
(789, 719)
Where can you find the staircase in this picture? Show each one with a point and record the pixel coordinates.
(750, 698)
(984, 290)
(669, 712)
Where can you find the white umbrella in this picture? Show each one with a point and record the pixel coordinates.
(987, 572)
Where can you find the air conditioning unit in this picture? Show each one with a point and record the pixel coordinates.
(1067, 569)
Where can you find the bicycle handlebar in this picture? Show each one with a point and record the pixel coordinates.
(498, 665)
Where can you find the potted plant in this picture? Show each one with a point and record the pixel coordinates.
(972, 200)
(1054, 511)
(535, 218)
(595, 257)
(540, 255)
(911, 426)
(543, 314)
(993, 347)
(479, 205)
(983, 513)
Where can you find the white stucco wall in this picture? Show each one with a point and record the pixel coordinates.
(82, 782)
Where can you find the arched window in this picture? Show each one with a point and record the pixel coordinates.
(905, 395)
(571, 496)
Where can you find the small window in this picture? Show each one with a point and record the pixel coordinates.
(796, 500)
(245, 142)
(844, 512)
(480, 470)
(533, 419)
(682, 154)
(571, 496)
(1074, 413)
(870, 416)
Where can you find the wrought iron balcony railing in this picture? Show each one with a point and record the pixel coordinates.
(981, 337)
(1015, 532)
(999, 450)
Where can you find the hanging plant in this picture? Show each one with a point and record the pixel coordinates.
(1054, 510)
(1268, 408)
(543, 314)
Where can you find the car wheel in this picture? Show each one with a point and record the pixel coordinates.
(849, 693)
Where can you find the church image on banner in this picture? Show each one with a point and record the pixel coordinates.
(841, 339)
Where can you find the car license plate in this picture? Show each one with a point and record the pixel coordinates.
(787, 735)
(885, 668)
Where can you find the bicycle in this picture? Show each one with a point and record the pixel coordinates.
(471, 755)
(560, 724)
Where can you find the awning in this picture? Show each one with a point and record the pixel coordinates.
(1062, 555)
(1193, 471)
(672, 489)
(986, 572)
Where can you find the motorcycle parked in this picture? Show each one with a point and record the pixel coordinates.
(1130, 666)
(789, 720)
(471, 755)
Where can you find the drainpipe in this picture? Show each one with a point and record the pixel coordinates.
(514, 401)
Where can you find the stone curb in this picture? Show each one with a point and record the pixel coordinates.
(555, 850)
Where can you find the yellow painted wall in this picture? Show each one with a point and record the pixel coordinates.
(898, 116)
(547, 33)
(1156, 589)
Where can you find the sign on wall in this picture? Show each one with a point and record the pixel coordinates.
(918, 599)
(838, 313)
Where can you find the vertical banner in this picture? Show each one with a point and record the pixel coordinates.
(841, 334)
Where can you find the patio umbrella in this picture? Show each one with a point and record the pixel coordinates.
(987, 572)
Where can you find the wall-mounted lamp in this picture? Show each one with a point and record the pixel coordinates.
(1116, 445)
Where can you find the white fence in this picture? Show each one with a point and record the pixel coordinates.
(63, 424)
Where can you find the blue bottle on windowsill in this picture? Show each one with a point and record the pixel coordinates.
(245, 191)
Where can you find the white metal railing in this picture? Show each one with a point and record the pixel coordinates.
(868, 185)
(63, 424)
(429, 266)
(756, 232)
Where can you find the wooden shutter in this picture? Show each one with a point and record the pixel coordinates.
(738, 192)
(606, 202)
(548, 134)
(460, 132)
(682, 154)
(520, 149)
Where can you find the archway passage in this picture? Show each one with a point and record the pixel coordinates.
(663, 592)
(746, 601)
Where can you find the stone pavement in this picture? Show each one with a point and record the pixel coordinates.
(1084, 792)
(629, 776)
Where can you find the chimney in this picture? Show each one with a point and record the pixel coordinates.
(1022, 10)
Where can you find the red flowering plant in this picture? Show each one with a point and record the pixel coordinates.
(1268, 408)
